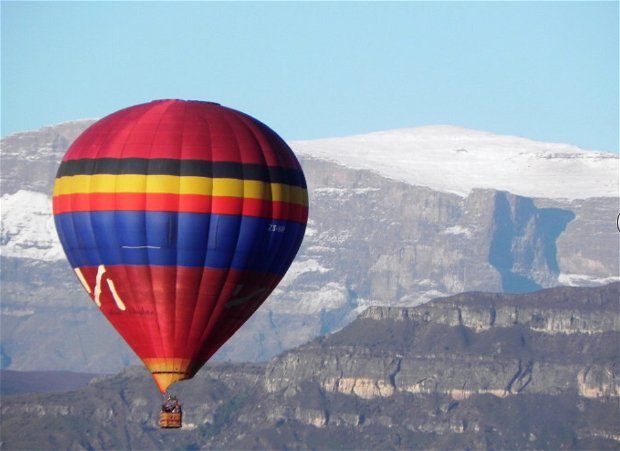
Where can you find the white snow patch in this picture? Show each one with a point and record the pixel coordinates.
(457, 160)
(336, 237)
(363, 304)
(331, 191)
(343, 192)
(320, 249)
(367, 190)
(310, 232)
(457, 230)
(17, 312)
(406, 301)
(421, 298)
(28, 227)
(339, 195)
(299, 267)
(330, 296)
(583, 280)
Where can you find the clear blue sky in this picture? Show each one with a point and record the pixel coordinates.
(542, 70)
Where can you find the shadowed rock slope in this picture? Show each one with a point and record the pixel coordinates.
(476, 370)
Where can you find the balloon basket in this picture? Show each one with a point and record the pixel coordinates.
(171, 415)
(170, 420)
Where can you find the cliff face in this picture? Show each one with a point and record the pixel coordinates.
(418, 239)
(535, 371)
(559, 311)
(475, 343)
(371, 240)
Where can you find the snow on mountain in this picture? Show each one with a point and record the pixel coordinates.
(299, 267)
(369, 241)
(457, 160)
(28, 227)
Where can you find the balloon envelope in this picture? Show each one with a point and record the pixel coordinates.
(179, 218)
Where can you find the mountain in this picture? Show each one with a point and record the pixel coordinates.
(471, 371)
(396, 218)
(458, 160)
(15, 382)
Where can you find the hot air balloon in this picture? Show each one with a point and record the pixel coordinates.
(179, 218)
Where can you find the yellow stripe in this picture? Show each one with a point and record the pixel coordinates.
(172, 184)
(167, 365)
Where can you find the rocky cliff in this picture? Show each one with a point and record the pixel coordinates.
(544, 342)
(476, 370)
(371, 240)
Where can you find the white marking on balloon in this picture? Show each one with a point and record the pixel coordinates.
(100, 272)
(117, 299)
(83, 281)
(141, 247)
(119, 302)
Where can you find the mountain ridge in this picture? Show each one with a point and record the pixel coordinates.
(370, 240)
(402, 379)
(457, 160)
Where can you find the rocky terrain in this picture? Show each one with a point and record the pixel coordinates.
(372, 239)
(15, 382)
(471, 371)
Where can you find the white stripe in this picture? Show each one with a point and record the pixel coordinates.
(141, 247)
(78, 272)
(119, 302)
(100, 271)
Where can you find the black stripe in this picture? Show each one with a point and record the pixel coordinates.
(168, 166)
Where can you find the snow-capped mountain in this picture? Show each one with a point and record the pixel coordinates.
(444, 158)
(29, 163)
(28, 227)
(396, 218)
(458, 160)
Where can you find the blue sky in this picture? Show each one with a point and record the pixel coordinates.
(542, 70)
